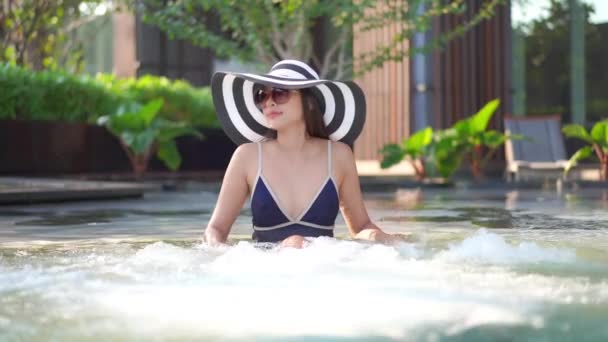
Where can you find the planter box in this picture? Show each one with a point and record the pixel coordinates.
(32, 147)
(46, 148)
(213, 152)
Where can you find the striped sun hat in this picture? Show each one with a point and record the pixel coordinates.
(342, 103)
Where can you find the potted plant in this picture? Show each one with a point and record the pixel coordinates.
(442, 151)
(414, 148)
(473, 138)
(445, 153)
(142, 133)
(598, 143)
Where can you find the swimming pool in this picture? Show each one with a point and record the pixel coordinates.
(491, 264)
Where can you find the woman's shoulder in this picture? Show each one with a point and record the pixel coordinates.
(343, 160)
(246, 148)
(342, 151)
(243, 158)
(244, 152)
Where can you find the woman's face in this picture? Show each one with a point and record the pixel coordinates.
(281, 107)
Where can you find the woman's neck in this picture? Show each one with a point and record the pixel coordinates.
(292, 139)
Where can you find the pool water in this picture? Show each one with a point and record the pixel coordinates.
(479, 265)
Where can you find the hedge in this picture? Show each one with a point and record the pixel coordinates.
(58, 96)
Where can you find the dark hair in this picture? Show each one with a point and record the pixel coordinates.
(315, 127)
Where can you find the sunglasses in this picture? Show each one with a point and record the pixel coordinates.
(279, 96)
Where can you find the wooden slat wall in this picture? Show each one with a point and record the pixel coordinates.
(468, 73)
(387, 91)
(474, 69)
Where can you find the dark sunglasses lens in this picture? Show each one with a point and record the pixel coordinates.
(280, 96)
(260, 96)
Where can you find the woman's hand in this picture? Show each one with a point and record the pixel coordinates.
(214, 237)
(231, 198)
(377, 235)
(294, 241)
(351, 200)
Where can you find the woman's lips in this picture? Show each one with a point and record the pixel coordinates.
(273, 115)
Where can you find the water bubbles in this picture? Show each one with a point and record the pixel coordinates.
(336, 288)
(489, 248)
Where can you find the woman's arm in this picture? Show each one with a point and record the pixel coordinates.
(233, 194)
(351, 199)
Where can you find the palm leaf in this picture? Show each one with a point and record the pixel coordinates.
(582, 153)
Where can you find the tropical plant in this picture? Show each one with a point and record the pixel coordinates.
(413, 147)
(142, 133)
(598, 143)
(443, 151)
(477, 142)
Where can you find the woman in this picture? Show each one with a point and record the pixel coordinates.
(293, 132)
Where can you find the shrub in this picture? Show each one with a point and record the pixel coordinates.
(182, 102)
(52, 95)
(58, 96)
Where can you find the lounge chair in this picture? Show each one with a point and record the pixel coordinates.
(541, 154)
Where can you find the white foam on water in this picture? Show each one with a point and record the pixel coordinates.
(289, 311)
(488, 248)
(330, 288)
(336, 288)
(585, 215)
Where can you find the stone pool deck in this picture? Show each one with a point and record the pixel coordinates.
(30, 190)
(22, 190)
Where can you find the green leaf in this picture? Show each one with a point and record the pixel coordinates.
(582, 153)
(126, 122)
(479, 121)
(446, 152)
(577, 131)
(416, 143)
(446, 145)
(448, 165)
(169, 130)
(463, 128)
(125, 118)
(493, 139)
(169, 154)
(599, 133)
(149, 111)
(140, 142)
(10, 55)
(131, 117)
(175, 132)
(391, 154)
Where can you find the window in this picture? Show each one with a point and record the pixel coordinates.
(560, 58)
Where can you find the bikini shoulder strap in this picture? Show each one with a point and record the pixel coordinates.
(329, 157)
(259, 158)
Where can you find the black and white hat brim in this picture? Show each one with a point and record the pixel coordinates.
(342, 105)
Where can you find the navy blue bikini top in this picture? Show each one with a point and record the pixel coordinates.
(272, 224)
